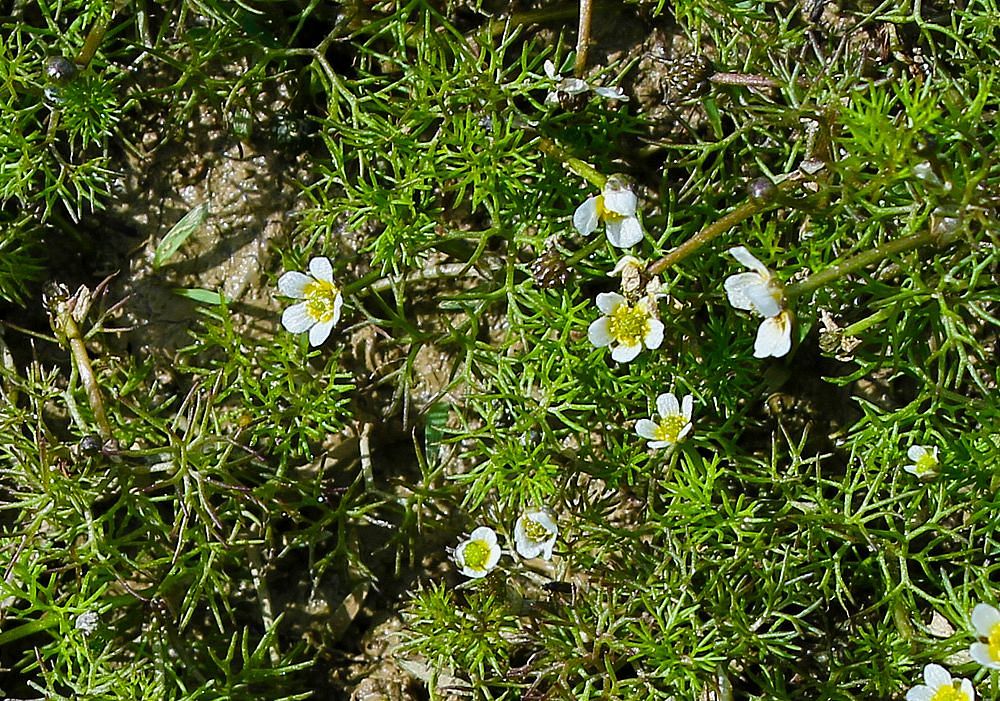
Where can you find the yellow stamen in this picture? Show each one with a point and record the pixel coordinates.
(994, 643)
(949, 693)
(670, 428)
(926, 464)
(476, 555)
(320, 297)
(535, 531)
(628, 325)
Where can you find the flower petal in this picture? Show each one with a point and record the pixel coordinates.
(608, 302)
(968, 690)
(292, 284)
(654, 337)
(667, 405)
(550, 69)
(573, 86)
(320, 332)
(748, 259)
(766, 299)
(619, 198)
(625, 354)
(936, 676)
(738, 289)
(687, 406)
(338, 305)
(920, 693)
(916, 452)
(484, 533)
(981, 653)
(774, 337)
(624, 233)
(585, 217)
(296, 318)
(984, 618)
(321, 269)
(598, 332)
(646, 428)
(612, 94)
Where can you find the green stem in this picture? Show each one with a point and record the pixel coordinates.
(81, 360)
(584, 252)
(581, 168)
(867, 258)
(724, 224)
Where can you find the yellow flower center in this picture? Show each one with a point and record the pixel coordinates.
(628, 325)
(476, 555)
(669, 428)
(535, 531)
(994, 642)
(320, 297)
(949, 693)
(926, 464)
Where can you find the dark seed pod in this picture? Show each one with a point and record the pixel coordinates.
(59, 70)
(550, 270)
(760, 189)
(688, 76)
(90, 445)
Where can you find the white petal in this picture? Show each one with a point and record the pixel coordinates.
(626, 262)
(984, 618)
(683, 432)
(623, 233)
(774, 337)
(320, 332)
(970, 693)
(936, 676)
(981, 653)
(915, 453)
(321, 269)
(547, 547)
(612, 94)
(920, 693)
(484, 533)
(646, 428)
(585, 217)
(608, 302)
(296, 319)
(687, 406)
(766, 299)
(292, 283)
(625, 354)
(748, 259)
(526, 547)
(338, 305)
(552, 98)
(494, 557)
(738, 289)
(550, 69)
(655, 335)
(598, 333)
(912, 469)
(619, 198)
(573, 86)
(667, 405)
(656, 445)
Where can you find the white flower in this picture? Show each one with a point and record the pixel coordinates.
(576, 86)
(479, 554)
(986, 620)
(939, 686)
(674, 423)
(322, 301)
(535, 534)
(625, 327)
(925, 461)
(759, 291)
(615, 206)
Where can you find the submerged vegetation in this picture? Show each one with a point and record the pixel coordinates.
(407, 349)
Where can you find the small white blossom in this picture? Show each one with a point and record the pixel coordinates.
(759, 291)
(576, 86)
(86, 622)
(925, 461)
(616, 207)
(986, 621)
(625, 327)
(321, 303)
(939, 686)
(479, 553)
(674, 423)
(535, 534)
